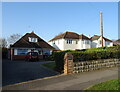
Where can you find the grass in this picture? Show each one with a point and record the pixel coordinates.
(108, 85)
(50, 65)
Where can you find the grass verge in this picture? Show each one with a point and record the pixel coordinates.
(108, 85)
(50, 65)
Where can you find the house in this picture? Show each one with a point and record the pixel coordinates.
(29, 42)
(73, 41)
(116, 43)
(70, 41)
(97, 42)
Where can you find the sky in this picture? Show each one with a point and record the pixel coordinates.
(48, 19)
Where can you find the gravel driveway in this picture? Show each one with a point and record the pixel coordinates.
(20, 71)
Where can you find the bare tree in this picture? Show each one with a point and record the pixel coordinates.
(3, 43)
(13, 38)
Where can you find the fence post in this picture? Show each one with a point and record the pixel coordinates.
(68, 63)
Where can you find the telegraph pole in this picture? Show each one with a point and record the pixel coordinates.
(101, 27)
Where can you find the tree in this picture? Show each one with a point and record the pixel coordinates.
(3, 48)
(3, 43)
(13, 38)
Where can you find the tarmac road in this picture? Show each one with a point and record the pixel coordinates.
(67, 82)
(21, 71)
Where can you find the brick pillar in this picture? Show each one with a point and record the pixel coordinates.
(68, 63)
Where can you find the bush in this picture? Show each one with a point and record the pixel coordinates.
(4, 53)
(59, 60)
(86, 54)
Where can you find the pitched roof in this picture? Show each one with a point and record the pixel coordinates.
(70, 35)
(83, 37)
(96, 37)
(117, 42)
(24, 42)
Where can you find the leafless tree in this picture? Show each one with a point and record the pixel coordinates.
(3, 43)
(13, 38)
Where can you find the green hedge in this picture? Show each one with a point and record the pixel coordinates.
(59, 59)
(4, 53)
(86, 54)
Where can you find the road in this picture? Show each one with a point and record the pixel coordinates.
(21, 71)
(67, 82)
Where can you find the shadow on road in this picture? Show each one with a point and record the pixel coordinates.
(21, 71)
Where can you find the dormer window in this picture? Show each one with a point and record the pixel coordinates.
(32, 39)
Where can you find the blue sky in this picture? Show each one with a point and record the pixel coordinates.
(47, 19)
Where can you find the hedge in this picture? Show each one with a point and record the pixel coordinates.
(86, 54)
(59, 59)
(4, 53)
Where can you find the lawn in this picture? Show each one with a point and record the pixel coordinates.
(108, 85)
(50, 65)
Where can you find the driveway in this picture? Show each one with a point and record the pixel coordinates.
(67, 82)
(20, 71)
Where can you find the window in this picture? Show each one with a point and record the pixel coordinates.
(31, 39)
(108, 43)
(53, 42)
(83, 41)
(76, 42)
(100, 42)
(69, 41)
(86, 42)
(22, 51)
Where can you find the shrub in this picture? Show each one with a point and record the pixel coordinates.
(4, 52)
(86, 54)
(59, 59)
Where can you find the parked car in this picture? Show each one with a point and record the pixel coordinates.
(32, 56)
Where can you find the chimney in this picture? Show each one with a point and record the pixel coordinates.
(101, 27)
(32, 32)
(101, 24)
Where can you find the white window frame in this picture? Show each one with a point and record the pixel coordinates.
(32, 39)
(22, 51)
(69, 41)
